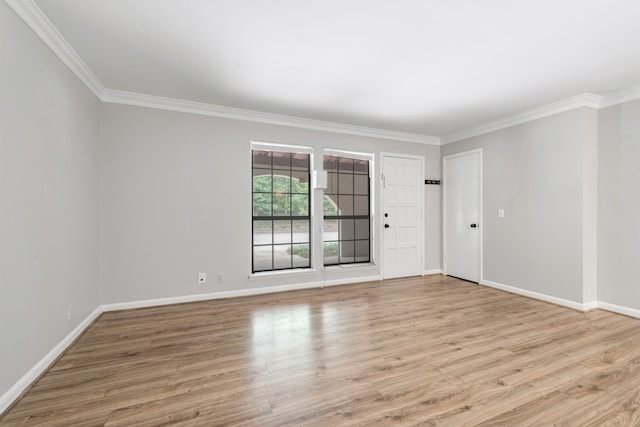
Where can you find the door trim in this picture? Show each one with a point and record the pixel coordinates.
(480, 211)
(421, 237)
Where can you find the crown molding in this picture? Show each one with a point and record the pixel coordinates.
(621, 96)
(33, 16)
(589, 100)
(182, 106)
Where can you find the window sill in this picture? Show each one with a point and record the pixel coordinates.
(363, 266)
(282, 273)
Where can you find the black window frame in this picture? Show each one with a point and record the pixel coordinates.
(273, 217)
(340, 217)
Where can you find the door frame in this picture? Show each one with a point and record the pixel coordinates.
(480, 213)
(421, 238)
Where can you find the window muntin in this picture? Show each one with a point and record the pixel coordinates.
(347, 211)
(281, 203)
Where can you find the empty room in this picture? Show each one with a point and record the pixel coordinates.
(328, 213)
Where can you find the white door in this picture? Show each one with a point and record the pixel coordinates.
(462, 214)
(402, 192)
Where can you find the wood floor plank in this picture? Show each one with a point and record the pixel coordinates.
(432, 351)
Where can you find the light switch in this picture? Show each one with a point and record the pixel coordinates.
(500, 213)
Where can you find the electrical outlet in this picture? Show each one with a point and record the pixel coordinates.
(202, 278)
(220, 278)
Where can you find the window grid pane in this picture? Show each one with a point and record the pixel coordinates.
(281, 222)
(346, 205)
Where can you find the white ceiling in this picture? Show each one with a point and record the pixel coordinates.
(431, 67)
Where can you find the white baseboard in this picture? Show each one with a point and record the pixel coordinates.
(18, 388)
(588, 306)
(238, 293)
(34, 373)
(432, 272)
(592, 305)
(535, 295)
(350, 281)
(619, 309)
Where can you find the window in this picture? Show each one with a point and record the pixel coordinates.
(346, 205)
(281, 221)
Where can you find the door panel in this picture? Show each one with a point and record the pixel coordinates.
(462, 215)
(402, 204)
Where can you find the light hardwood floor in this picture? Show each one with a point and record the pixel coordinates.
(419, 351)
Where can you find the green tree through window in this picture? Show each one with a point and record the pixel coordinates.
(282, 202)
(281, 223)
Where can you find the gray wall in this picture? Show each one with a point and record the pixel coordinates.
(49, 182)
(134, 212)
(176, 201)
(619, 205)
(534, 171)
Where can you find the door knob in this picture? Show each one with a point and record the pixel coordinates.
(474, 225)
(386, 226)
